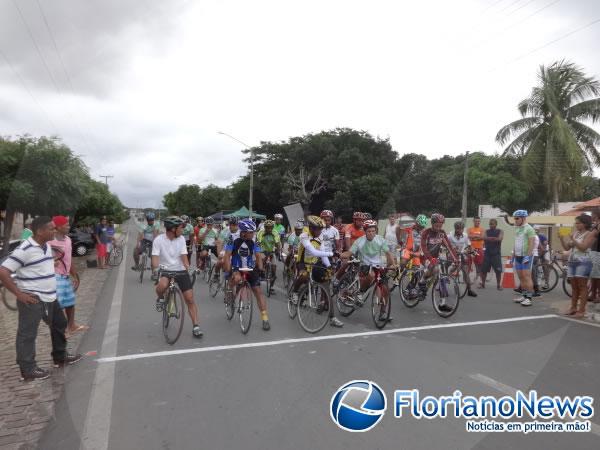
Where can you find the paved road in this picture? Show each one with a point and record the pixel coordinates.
(276, 394)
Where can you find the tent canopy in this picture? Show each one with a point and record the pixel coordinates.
(244, 212)
(221, 215)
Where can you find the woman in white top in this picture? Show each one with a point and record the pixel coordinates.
(392, 234)
(579, 265)
(460, 241)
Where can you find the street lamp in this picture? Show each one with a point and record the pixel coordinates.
(251, 167)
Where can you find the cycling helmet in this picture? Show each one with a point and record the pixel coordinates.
(299, 225)
(422, 220)
(357, 215)
(326, 213)
(233, 220)
(209, 221)
(269, 223)
(520, 213)
(185, 218)
(172, 222)
(437, 218)
(247, 225)
(367, 216)
(369, 223)
(150, 216)
(278, 216)
(199, 219)
(458, 225)
(315, 221)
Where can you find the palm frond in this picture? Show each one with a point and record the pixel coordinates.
(519, 145)
(588, 139)
(516, 127)
(586, 110)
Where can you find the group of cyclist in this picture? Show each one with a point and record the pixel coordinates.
(316, 247)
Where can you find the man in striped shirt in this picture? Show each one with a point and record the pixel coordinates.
(35, 289)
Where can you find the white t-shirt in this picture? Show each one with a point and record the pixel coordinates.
(328, 237)
(459, 243)
(169, 252)
(536, 244)
(390, 235)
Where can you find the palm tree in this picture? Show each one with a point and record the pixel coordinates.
(554, 143)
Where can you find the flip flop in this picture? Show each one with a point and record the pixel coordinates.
(79, 328)
(570, 313)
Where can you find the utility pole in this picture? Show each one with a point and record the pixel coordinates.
(106, 177)
(464, 197)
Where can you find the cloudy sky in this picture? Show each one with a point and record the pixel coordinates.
(140, 88)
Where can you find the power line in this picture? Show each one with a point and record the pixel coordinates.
(106, 177)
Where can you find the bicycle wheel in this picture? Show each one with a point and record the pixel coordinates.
(214, 285)
(472, 273)
(546, 277)
(310, 318)
(142, 266)
(461, 278)
(380, 309)
(116, 257)
(173, 316)
(244, 305)
(8, 298)
(409, 291)
(229, 304)
(344, 296)
(445, 295)
(291, 305)
(566, 285)
(207, 269)
(193, 275)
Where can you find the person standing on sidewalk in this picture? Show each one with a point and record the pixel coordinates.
(65, 287)
(102, 239)
(523, 255)
(579, 265)
(595, 253)
(475, 234)
(35, 290)
(492, 258)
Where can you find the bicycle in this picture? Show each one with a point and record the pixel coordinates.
(471, 270)
(8, 298)
(172, 308)
(240, 300)
(460, 273)
(207, 267)
(347, 300)
(289, 271)
(312, 304)
(115, 256)
(215, 284)
(143, 262)
(269, 268)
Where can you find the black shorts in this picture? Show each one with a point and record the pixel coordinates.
(254, 279)
(491, 262)
(183, 280)
(210, 248)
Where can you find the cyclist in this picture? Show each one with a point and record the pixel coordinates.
(462, 245)
(307, 260)
(231, 232)
(145, 238)
(207, 237)
(243, 252)
(432, 241)
(411, 240)
(354, 230)
(330, 236)
(188, 235)
(170, 253)
(369, 249)
(293, 241)
(268, 241)
(279, 227)
(199, 225)
(523, 255)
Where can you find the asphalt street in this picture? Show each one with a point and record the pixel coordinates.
(218, 394)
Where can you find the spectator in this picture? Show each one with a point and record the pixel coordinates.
(35, 290)
(27, 233)
(595, 254)
(63, 267)
(460, 242)
(393, 234)
(475, 234)
(492, 256)
(579, 265)
(542, 260)
(101, 236)
(110, 232)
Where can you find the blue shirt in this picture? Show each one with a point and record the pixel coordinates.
(243, 253)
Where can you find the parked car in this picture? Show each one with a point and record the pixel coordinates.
(11, 246)
(82, 242)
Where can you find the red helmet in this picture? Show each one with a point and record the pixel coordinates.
(369, 223)
(437, 218)
(357, 215)
(326, 213)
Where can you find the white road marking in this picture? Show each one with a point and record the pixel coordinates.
(509, 390)
(582, 322)
(96, 430)
(111, 358)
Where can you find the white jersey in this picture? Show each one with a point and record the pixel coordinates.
(459, 243)
(328, 237)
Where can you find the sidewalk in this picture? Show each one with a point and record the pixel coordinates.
(26, 408)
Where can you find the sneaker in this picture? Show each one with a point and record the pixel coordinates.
(35, 374)
(519, 290)
(445, 308)
(197, 332)
(536, 294)
(518, 299)
(266, 325)
(470, 293)
(68, 360)
(526, 302)
(335, 322)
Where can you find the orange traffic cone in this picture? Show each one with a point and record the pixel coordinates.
(508, 280)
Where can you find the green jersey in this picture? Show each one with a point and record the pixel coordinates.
(279, 229)
(210, 238)
(188, 231)
(370, 252)
(148, 230)
(293, 240)
(267, 242)
(522, 235)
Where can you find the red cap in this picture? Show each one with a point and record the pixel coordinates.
(59, 221)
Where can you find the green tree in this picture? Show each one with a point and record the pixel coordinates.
(551, 134)
(98, 201)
